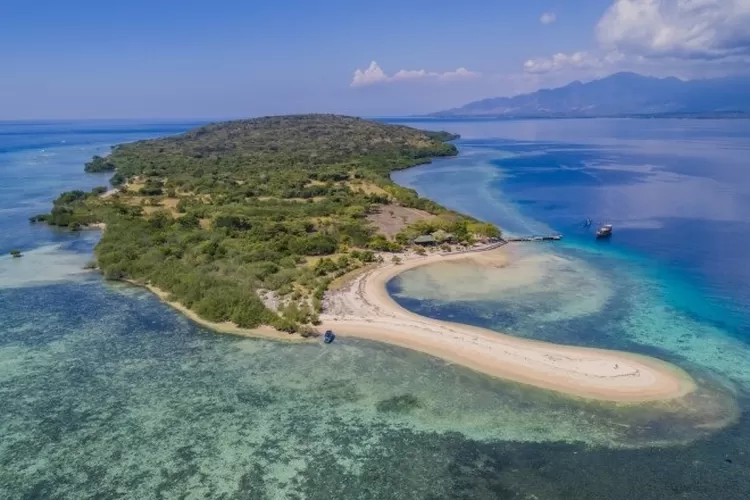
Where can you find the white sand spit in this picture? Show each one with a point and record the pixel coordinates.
(363, 308)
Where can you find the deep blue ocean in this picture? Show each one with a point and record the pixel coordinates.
(677, 192)
(107, 393)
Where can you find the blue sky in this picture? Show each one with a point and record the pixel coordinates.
(232, 58)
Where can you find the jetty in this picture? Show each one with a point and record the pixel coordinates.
(492, 246)
(551, 237)
(499, 242)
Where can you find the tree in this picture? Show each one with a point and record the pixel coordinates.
(382, 244)
(99, 164)
(484, 229)
(118, 179)
(16, 253)
(355, 211)
(325, 266)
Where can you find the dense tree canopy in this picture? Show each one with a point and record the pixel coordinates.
(227, 213)
(99, 164)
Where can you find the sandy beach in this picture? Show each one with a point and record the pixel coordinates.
(363, 308)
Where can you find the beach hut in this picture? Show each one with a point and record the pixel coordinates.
(426, 239)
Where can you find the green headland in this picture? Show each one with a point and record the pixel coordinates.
(250, 221)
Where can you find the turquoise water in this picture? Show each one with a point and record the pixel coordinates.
(109, 394)
(672, 281)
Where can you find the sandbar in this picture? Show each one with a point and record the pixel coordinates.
(363, 308)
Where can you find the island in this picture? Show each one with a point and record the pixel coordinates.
(286, 226)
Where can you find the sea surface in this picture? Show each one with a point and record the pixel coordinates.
(107, 393)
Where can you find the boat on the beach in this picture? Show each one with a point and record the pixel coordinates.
(604, 232)
(329, 336)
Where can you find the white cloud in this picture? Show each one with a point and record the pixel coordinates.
(459, 74)
(548, 18)
(411, 74)
(683, 37)
(687, 29)
(370, 76)
(375, 75)
(561, 61)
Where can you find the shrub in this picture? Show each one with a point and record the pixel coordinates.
(99, 164)
(380, 243)
(308, 331)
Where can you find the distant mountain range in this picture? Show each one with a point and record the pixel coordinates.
(620, 94)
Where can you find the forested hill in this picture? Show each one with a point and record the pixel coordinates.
(310, 145)
(250, 221)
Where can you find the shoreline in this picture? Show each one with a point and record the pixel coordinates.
(363, 308)
(262, 332)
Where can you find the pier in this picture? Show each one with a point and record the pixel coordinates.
(486, 248)
(551, 237)
(504, 241)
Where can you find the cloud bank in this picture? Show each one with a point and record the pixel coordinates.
(688, 29)
(678, 36)
(375, 75)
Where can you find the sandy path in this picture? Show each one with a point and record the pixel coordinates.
(363, 308)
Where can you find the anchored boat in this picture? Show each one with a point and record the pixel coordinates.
(329, 336)
(604, 231)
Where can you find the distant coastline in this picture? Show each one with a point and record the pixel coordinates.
(740, 115)
(621, 95)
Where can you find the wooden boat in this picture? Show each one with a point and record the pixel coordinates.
(604, 231)
(329, 336)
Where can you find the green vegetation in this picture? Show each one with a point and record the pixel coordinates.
(75, 209)
(99, 164)
(226, 214)
(16, 253)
